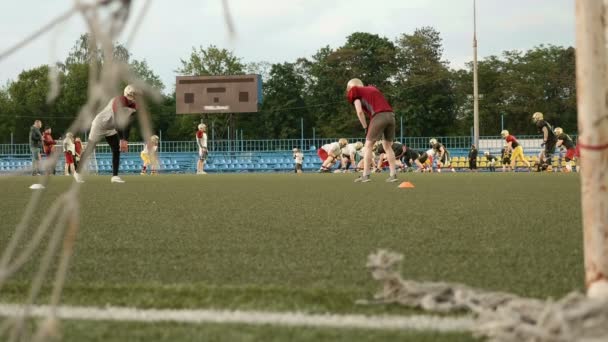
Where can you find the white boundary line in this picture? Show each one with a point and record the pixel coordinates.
(294, 319)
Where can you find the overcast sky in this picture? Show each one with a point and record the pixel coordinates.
(284, 30)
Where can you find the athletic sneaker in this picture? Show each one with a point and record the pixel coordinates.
(363, 179)
(78, 178)
(392, 179)
(116, 179)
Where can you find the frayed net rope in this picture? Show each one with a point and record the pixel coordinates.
(498, 316)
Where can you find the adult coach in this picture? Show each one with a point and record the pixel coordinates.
(35, 139)
(114, 124)
(370, 102)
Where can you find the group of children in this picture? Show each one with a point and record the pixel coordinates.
(405, 157)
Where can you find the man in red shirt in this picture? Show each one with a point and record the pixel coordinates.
(370, 102)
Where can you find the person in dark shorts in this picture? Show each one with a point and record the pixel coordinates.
(564, 140)
(549, 141)
(443, 156)
(399, 151)
(505, 154)
(369, 101)
(473, 158)
(491, 161)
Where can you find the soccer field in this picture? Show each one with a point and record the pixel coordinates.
(299, 243)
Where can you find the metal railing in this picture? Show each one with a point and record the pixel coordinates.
(491, 143)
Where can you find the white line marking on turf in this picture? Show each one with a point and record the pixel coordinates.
(380, 322)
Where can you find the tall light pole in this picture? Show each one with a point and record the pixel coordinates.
(475, 90)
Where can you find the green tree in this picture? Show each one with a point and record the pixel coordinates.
(7, 117)
(284, 104)
(423, 91)
(211, 61)
(28, 96)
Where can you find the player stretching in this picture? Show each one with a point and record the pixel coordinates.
(517, 152)
(149, 157)
(329, 153)
(113, 123)
(201, 141)
(443, 156)
(370, 102)
(564, 139)
(549, 141)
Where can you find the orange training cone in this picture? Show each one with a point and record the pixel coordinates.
(406, 185)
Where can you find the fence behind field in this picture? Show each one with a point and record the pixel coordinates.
(530, 143)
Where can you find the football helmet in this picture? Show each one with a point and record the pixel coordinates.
(558, 130)
(355, 82)
(433, 142)
(536, 117)
(342, 142)
(504, 133)
(130, 92)
(202, 127)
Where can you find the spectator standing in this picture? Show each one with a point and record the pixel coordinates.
(473, 158)
(35, 139)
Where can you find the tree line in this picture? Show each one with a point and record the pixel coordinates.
(431, 98)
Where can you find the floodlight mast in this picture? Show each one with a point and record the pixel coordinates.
(475, 84)
(591, 88)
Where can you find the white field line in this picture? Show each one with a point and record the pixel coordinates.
(294, 319)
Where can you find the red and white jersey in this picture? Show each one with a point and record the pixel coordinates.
(372, 100)
(68, 145)
(333, 149)
(201, 139)
(115, 115)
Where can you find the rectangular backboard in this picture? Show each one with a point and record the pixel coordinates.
(218, 94)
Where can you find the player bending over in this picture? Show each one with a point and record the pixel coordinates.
(329, 153)
(491, 161)
(114, 124)
(370, 102)
(298, 157)
(149, 155)
(549, 141)
(443, 156)
(564, 139)
(349, 155)
(399, 151)
(517, 152)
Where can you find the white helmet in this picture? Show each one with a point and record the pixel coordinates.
(504, 133)
(536, 117)
(154, 139)
(355, 82)
(202, 127)
(433, 141)
(342, 142)
(487, 153)
(558, 130)
(130, 92)
(358, 145)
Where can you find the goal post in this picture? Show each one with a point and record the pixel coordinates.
(592, 106)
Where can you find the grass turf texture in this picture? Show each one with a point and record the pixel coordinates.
(300, 242)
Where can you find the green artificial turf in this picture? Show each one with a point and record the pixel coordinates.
(300, 242)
